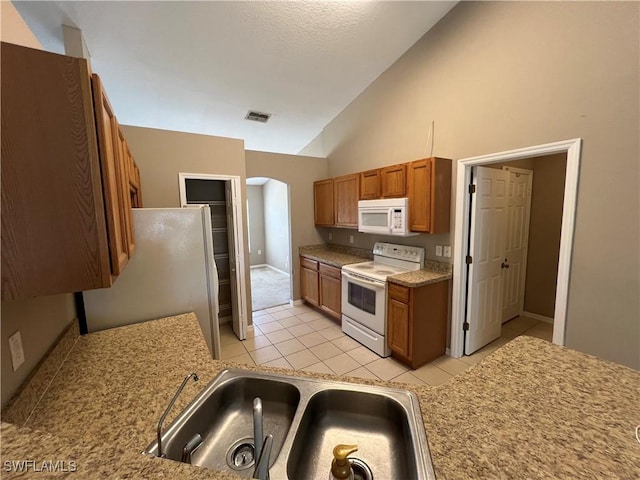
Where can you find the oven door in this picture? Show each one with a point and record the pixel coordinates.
(365, 301)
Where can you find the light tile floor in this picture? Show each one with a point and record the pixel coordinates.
(300, 338)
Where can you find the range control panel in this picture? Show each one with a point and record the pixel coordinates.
(400, 252)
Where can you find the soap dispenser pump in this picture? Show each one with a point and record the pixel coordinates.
(340, 466)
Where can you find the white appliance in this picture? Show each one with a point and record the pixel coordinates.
(171, 272)
(389, 216)
(364, 293)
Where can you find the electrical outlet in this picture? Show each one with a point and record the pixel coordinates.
(447, 251)
(350, 238)
(438, 250)
(17, 352)
(330, 236)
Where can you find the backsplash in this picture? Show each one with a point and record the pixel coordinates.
(365, 241)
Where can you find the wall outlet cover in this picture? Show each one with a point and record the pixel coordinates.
(350, 238)
(447, 251)
(438, 250)
(330, 236)
(17, 352)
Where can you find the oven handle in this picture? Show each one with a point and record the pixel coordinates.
(361, 280)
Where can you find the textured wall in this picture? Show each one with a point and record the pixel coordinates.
(276, 225)
(257, 255)
(497, 76)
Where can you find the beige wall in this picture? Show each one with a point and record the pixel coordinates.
(162, 154)
(496, 76)
(544, 234)
(256, 224)
(299, 173)
(40, 320)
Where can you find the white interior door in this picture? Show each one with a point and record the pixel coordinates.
(234, 248)
(486, 248)
(516, 241)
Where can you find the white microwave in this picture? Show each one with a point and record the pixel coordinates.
(389, 216)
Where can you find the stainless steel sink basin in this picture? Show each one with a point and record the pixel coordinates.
(223, 416)
(307, 418)
(377, 423)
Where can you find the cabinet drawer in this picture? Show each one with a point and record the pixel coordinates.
(307, 263)
(329, 271)
(398, 292)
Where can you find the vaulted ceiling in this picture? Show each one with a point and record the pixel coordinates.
(200, 66)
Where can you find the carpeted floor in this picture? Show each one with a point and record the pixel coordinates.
(269, 288)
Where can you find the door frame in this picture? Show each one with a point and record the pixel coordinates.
(238, 233)
(572, 148)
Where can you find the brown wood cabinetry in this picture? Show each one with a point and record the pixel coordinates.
(323, 205)
(393, 181)
(64, 222)
(331, 290)
(417, 322)
(370, 185)
(309, 288)
(347, 192)
(321, 286)
(429, 193)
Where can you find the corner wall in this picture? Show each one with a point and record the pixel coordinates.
(299, 173)
(496, 76)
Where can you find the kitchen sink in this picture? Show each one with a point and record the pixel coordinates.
(377, 423)
(222, 415)
(307, 418)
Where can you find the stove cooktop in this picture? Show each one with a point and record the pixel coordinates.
(376, 270)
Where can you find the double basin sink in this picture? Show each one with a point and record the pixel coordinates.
(307, 418)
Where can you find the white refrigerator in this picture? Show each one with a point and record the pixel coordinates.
(171, 272)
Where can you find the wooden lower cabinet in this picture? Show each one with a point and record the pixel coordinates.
(331, 290)
(417, 322)
(309, 288)
(321, 286)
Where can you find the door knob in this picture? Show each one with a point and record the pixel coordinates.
(505, 264)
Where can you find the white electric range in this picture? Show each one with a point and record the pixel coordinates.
(364, 293)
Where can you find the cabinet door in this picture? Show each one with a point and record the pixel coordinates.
(419, 193)
(346, 200)
(331, 290)
(113, 177)
(129, 190)
(370, 185)
(309, 285)
(399, 328)
(323, 206)
(53, 226)
(394, 181)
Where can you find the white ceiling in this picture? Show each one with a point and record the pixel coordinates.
(200, 66)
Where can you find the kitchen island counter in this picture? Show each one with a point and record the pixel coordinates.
(529, 410)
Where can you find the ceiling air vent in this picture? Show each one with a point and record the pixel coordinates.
(257, 116)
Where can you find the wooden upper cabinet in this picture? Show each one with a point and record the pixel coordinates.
(323, 199)
(393, 181)
(429, 193)
(347, 193)
(64, 184)
(115, 182)
(370, 185)
(54, 235)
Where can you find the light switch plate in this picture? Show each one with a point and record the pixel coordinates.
(330, 236)
(446, 250)
(17, 352)
(350, 238)
(438, 250)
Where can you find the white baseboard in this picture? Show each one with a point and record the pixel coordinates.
(262, 265)
(296, 302)
(535, 316)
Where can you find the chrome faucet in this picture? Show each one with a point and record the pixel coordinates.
(262, 464)
(262, 448)
(169, 407)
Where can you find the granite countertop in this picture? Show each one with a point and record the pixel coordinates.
(335, 255)
(339, 256)
(529, 410)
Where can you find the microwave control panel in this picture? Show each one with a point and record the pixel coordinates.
(397, 219)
